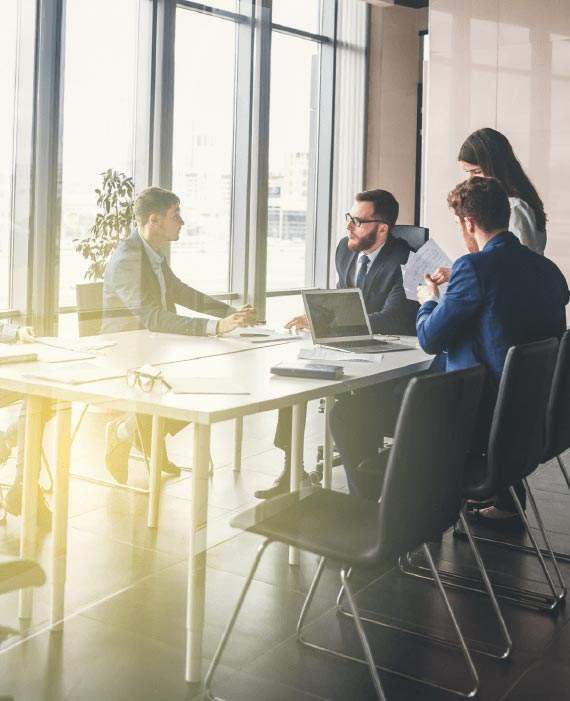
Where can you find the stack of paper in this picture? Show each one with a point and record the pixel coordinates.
(421, 263)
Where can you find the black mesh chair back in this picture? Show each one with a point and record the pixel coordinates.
(558, 410)
(414, 236)
(89, 308)
(516, 440)
(424, 476)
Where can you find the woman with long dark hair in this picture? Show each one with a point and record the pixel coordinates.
(489, 153)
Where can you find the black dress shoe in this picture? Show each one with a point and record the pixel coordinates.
(280, 486)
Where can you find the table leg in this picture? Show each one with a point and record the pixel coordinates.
(60, 513)
(35, 407)
(327, 446)
(197, 554)
(157, 437)
(297, 436)
(238, 441)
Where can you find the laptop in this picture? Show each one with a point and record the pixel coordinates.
(338, 320)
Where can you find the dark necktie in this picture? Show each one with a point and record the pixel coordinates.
(362, 272)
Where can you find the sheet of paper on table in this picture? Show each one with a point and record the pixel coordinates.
(330, 354)
(74, 373)
(260, 335)
(421, 263)
(204, 385)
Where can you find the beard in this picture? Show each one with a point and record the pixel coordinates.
(364, 243)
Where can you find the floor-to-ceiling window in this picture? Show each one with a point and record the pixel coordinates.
(98, 118)
(8, 46)
(203, 141)
(294, 121)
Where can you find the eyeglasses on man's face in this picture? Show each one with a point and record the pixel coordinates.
(147, 381)
(357, 222)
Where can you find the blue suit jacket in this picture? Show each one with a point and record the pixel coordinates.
(132, 297)
(502, 296)
(388, 309)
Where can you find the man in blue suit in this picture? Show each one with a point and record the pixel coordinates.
(500, 294)
(368, 257)
(140, 291)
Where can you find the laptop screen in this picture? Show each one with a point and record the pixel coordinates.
(336, 314)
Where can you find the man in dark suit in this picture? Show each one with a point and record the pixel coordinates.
(499, 295)
(369, 258)
(140, 291)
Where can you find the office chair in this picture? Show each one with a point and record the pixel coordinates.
(414, 236)
(557, 434)
(515, 449)
(435, 424)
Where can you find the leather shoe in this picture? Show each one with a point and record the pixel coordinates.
(13, 505)
(117, 452)
(280, 486)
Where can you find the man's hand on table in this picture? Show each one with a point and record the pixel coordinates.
(243, 317)
(298, 323)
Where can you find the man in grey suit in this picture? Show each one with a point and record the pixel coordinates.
(368, 257)
(140, 291)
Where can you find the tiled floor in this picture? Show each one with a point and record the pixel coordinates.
(124, 633)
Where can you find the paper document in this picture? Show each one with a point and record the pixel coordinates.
(421, 263)
(260, 334)
(77, 345)
(54, 355)
(320, 353)
(204, 385)
(75, 373)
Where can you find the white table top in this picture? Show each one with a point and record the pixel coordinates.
(205, 357)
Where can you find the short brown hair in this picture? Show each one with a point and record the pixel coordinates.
(386, 206)
(153, 200)
(484, 200)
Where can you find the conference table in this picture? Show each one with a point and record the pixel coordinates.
(230, 362)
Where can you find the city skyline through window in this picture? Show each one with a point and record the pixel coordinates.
(98, 129)
(204, 97)
(293, 122)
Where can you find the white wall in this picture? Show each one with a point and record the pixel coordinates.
(503, 64)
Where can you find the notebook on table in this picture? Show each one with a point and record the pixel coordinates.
(338, 319)
(16, 354)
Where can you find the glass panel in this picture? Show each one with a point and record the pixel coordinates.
(292, 159)
(8, 34)
(100, 78)
(203, 148)
(299, 14)
(280, 310)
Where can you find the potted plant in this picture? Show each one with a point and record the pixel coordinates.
(113, 222)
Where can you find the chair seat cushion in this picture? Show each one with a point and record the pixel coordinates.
(338, 526)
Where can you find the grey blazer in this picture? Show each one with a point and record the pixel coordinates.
(132, 297)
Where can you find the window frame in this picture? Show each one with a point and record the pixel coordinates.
(153, 143)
